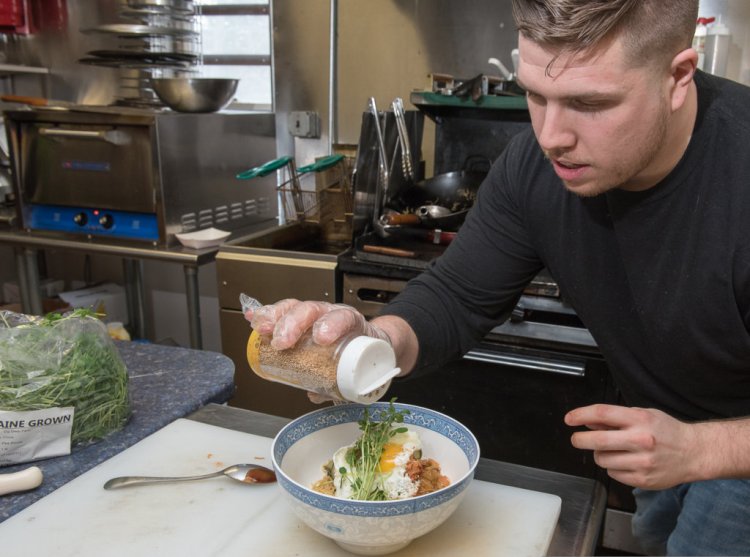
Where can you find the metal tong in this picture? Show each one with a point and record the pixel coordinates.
(383, 174)
(403, 138)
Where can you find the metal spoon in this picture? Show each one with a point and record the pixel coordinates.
(245, 473)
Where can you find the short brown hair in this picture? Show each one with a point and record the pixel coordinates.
(652, 30)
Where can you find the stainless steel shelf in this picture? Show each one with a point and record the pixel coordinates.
(27, 244)
(14, 69)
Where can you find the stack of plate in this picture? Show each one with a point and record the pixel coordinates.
(158, 38)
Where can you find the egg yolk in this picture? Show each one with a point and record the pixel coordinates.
(388, 456)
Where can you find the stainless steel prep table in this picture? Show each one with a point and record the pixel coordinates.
(583, 500)
(28, 244)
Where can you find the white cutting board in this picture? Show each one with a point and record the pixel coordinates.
(225, 518)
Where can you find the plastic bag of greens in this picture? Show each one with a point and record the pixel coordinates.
(62, 383)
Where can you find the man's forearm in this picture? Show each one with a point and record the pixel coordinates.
(723, 448)
(403, 339)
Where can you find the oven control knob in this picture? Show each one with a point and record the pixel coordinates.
(106, 221)
(81, 219)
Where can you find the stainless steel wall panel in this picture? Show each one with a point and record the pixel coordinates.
(200, 155)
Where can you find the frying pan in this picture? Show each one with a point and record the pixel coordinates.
(455, 191)
(433, 236)
(429, 216)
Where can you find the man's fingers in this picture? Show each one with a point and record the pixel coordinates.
(603, 416)
(264, 318)
(335, 324)
(290, 327)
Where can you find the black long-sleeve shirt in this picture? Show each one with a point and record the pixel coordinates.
(661, 278)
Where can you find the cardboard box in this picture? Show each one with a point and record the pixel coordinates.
(106, 299)
(48, 288)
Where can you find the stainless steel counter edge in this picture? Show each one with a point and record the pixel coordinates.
(176, 254)
(583, 499)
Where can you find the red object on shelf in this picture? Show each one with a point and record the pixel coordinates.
(48, 15)
(23, 17)
(14, 17)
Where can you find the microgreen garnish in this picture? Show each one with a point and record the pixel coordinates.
(363, 458)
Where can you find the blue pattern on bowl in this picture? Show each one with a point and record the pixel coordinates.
(327, 417)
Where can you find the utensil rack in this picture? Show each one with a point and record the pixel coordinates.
(156, 39)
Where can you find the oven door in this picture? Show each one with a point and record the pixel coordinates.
(88, 165)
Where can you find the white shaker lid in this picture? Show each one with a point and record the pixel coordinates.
(365, 369)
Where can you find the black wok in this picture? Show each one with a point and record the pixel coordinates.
(456, 191)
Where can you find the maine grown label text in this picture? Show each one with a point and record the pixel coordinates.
(35, 434)
(19, 424)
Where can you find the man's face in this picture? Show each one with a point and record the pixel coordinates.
(601, 123)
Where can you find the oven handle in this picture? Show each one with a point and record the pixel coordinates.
(88, 134)
(527, 362)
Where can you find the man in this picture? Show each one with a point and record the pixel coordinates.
(633, 191)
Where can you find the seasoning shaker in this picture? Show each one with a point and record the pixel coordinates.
(356, 368)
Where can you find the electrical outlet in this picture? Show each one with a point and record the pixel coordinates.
(304, 124)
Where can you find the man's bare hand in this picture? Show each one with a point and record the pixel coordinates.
(641, 447)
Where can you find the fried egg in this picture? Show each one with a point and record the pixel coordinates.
(392, 467)
(396, 454)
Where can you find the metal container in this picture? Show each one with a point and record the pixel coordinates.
(194, 94)
(135, 174)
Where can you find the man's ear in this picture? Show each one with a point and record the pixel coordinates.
(682, 70)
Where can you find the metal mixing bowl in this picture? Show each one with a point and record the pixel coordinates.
(194, 94)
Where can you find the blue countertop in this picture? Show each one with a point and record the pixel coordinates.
(166, 383)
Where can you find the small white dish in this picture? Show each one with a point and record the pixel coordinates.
(206, 238)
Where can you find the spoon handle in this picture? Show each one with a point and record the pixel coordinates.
(125, 481)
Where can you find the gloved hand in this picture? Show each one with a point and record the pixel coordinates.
(288, 319)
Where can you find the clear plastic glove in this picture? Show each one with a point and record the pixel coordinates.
(288, 319)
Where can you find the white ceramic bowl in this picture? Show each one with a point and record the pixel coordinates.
(371, 527)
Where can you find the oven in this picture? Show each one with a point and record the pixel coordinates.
(142, 175)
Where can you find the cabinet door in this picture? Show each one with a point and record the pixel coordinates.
(269, 277)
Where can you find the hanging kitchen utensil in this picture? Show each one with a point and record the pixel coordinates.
(403, 139)
(382, 156)
(381, 188)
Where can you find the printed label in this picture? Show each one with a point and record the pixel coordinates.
(35, 434)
